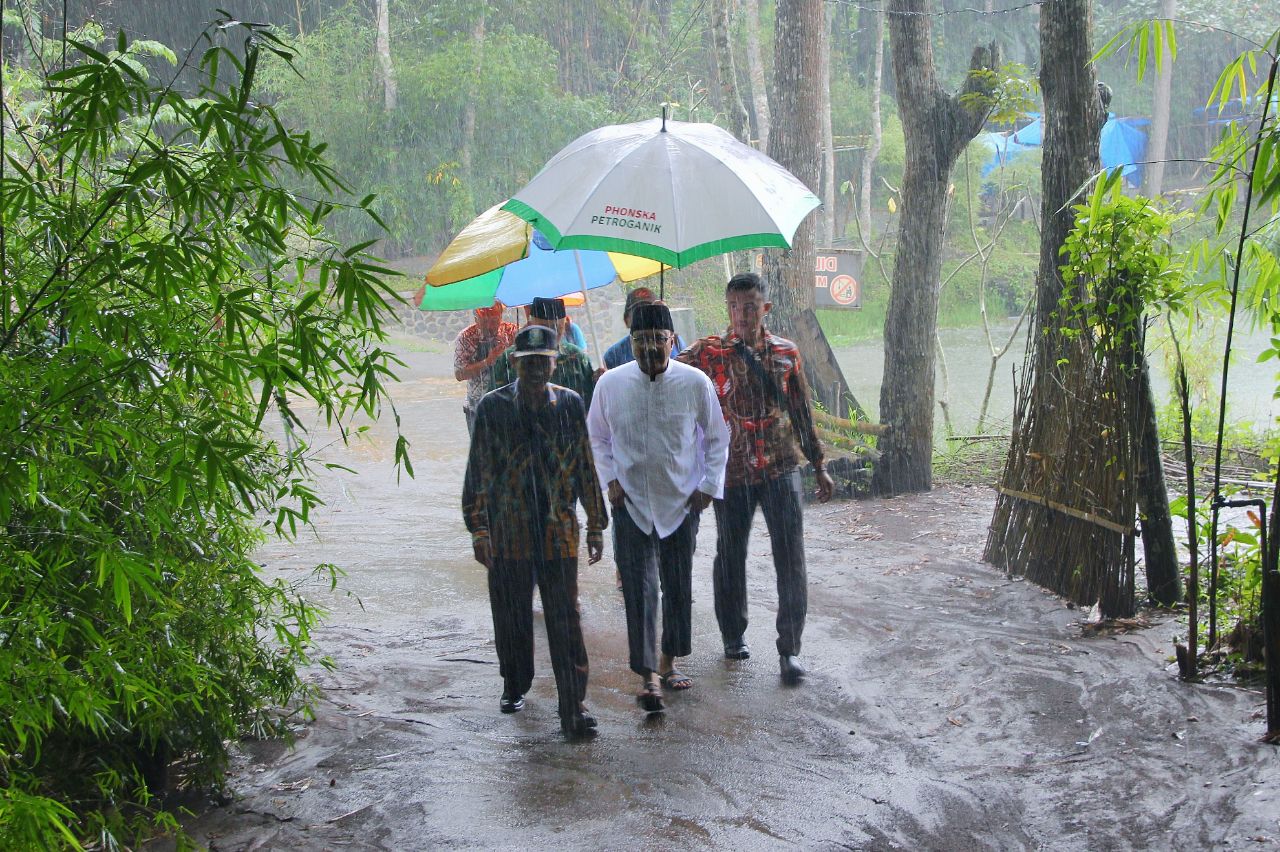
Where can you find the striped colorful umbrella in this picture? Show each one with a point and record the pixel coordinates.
(498, 256)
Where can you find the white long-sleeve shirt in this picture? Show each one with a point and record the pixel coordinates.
(662, 439)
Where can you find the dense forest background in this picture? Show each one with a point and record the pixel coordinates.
(463, 101)
(188, 215)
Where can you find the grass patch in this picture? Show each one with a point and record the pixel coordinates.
(970, 462)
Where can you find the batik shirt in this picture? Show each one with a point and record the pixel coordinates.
(768, 435)
(526, 471)
(573, 371)
(473, 345)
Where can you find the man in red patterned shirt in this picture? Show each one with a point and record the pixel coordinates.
(478, 346)
(765, 399)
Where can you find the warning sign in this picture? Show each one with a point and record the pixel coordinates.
(844, 290)
(837, 279)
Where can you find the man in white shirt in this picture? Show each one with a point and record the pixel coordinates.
(660, 445)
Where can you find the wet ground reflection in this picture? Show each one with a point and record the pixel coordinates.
(945, 707)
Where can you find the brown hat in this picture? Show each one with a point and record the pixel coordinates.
(638, 296)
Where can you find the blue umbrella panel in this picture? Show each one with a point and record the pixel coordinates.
(545, 272)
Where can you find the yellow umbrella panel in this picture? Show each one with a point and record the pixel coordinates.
(494, 238)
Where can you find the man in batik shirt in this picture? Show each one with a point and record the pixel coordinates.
(477, 348)
(765, 399)
(530, 464)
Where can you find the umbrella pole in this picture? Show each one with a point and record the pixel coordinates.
(591, 320)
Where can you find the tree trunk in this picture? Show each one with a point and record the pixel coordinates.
(466, 155)
(1049, 456)
(828, 195)
(731, 101)
(794, 141)
(937, 127)
(875, 85)
(755, 71)
(1160, 553)
(1160, 109)
(1271, 616)
(383, 47)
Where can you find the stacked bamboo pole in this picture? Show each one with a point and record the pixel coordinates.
(1065, 519)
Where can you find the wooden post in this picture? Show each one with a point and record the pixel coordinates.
(1271, 618)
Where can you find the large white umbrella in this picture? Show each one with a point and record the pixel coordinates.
(672, 191)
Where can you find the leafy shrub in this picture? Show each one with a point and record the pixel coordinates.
(162, 292)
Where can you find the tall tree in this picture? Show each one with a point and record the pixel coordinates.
(937, 126)
(755, 70)
(383, 48)
(827, 226)
(794, 141)
(467, 150)
(731, 101)
(876, 139)
(1160, 109)
(1045, 537)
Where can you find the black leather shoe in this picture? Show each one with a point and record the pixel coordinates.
(510, 703)
(578, 726)
(792, 669)
(738, 650)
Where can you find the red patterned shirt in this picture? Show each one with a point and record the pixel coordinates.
(770, 429)
(473, 345)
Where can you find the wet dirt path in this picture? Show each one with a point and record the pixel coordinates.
(948, 706)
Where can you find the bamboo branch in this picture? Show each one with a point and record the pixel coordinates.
(863, 426)
(1078, 514)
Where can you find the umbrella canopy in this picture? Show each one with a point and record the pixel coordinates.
(492, 239)
(673, 191)
(499, 256)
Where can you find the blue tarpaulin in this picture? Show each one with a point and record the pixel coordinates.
(1122, 144)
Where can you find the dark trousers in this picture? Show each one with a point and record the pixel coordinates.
(646, 562)
(511, 599)
(779, 499)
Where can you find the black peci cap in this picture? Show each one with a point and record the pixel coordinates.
(547, 309)
(651, 316)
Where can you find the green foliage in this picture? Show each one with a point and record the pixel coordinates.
(1146, 43)
(415, 157)
(1237, 262)
(851, 119)
(1118, 268)
(1006, 93)
(1239, 543)
(163, 291)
